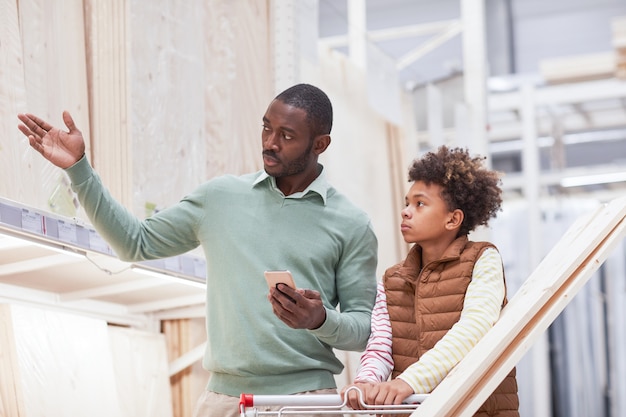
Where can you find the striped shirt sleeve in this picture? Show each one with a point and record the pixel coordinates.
(481, 309)
(376, 362)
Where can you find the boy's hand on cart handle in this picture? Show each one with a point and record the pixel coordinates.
(298, 309)
(388, 393)
(376, 393)
(354, 395)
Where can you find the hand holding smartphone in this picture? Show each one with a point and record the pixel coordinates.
(279, 277)
(274, 278)
(310, 312)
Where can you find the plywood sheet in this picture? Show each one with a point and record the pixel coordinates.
(11, 398)
(60, 364)
(64, 364)
(199, 85)
(42, 71)
(140, 366)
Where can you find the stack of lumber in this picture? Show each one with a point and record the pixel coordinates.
(618, 26)
(587, 67)
(578, 68)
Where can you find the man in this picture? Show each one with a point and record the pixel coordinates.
(286, 217)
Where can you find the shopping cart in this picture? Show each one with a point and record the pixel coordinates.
(319, 404)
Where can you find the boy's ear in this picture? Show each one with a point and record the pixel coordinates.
(455, 220)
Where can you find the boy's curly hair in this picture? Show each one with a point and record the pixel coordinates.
(467, 184)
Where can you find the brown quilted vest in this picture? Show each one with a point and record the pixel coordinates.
(424, 306)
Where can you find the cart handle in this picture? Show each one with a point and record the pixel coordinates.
(251, 400)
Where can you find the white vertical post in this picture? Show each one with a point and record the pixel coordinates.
(434, 109)
(616, 311)
(285, 43)
(475, 74)
(460, 124)
(531, 171)
(357, 30)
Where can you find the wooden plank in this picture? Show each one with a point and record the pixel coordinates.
(568, 266)
(178, 339)
(168, 328)
(107, 53)
(11, 395)
(187, 359)
(578, 68)
(187, 406)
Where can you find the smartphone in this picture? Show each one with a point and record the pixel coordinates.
(278, 277)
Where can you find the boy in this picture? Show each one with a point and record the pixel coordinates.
(435, 306)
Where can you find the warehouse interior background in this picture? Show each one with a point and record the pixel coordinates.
(169, 94)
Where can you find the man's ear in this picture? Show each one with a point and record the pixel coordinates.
(455, 219)
(321, 144)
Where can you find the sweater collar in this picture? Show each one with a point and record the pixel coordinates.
(319, 185)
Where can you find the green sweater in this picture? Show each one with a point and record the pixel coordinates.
(246, 226)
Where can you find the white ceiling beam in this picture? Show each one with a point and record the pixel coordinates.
(513, 181)
(399, 32)
(448, 33)
(27, 238)
(605, 119)
(169, 303)
(562, 94)
(422, 29)
(192, 312)
(9, 243)
(38, 263)
(110, 312)
(101, 291)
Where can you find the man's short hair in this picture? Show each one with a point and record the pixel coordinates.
(314, 102)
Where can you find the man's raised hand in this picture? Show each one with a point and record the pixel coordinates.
(62, 148)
